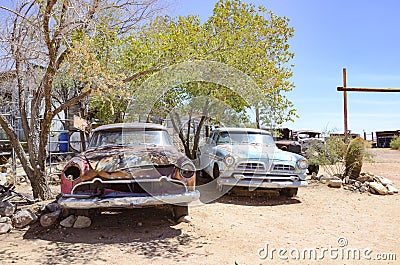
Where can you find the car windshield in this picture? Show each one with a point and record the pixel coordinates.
(309, 135)
(245, 138)
(128, 137)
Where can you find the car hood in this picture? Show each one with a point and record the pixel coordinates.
(252, 151)
(257, 151)
(117, 158)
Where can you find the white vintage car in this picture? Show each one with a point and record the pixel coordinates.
(249, 158)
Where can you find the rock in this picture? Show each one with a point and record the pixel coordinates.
(378, 187)
(357, 184)
(384, 181)
(5, 228)
(3, 178)
(82, 222)
(6, 209)
(185, 219)
(367, 173)
(391, 189)
(314, 176)
(5, 220)
(346, 180)
(49, 219)
(324, 179)
(364, 178)
(53, 207)
(363, 188)
(23, 218)
(352, 181)
(335, 183)
(69, 221)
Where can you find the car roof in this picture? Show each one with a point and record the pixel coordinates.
(239, 129)
(136, 125)
(307, 131)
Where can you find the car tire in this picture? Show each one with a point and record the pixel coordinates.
(179, 211)
(215, 171)
(289, 192)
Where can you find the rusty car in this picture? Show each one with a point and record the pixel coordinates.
(249, 158)
(129, 165)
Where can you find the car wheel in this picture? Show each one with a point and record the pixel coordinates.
(290, 192)
(216, 171)
(179, 211)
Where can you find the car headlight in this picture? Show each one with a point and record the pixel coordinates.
(187, 170)
(303, 164)
(229, 160)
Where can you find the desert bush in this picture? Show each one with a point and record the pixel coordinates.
(395, 143)
(329, 155)
(354, 157)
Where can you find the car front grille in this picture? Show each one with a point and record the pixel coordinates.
(282, 167)
(145, 188)
(250, 166)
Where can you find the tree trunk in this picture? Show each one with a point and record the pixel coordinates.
(39, 185)
(258, 118)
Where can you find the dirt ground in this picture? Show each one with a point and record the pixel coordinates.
(234, 229)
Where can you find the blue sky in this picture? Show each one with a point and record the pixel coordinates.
(360, 35)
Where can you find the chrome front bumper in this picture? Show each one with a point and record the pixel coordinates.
(127, 202)
(259, 183)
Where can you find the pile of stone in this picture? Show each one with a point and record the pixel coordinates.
(366, 182)
(11, 218)
(48, 214)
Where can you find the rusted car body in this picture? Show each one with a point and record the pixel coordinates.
(129, 166)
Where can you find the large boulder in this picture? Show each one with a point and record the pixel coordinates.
(82, 222)
(49, 219)
(23, 218)
(5, 225)
(391, 189)
(384, 181)
(6, 209)
(378, 187)
(335, 183)
(69, 221)
(365, 178)
(53, 207)
(5, 228)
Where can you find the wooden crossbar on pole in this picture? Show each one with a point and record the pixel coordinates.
(346, 89)
(366, 89)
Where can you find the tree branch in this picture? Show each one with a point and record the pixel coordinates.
(12, 136)
(71, 102)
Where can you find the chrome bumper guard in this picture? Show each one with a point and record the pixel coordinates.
(127, 202)
(261, 184)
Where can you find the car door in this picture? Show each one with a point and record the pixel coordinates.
(207, 152)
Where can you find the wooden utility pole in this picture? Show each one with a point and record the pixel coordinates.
(346, 89)
(346, 132)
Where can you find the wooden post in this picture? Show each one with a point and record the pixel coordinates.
(345, 107)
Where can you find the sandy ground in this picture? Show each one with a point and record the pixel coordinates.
(234, 229)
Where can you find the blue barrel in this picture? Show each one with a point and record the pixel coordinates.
(63, 138)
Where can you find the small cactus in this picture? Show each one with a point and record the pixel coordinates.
(354, 157)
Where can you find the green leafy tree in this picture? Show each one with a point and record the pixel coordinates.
(247, 38)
